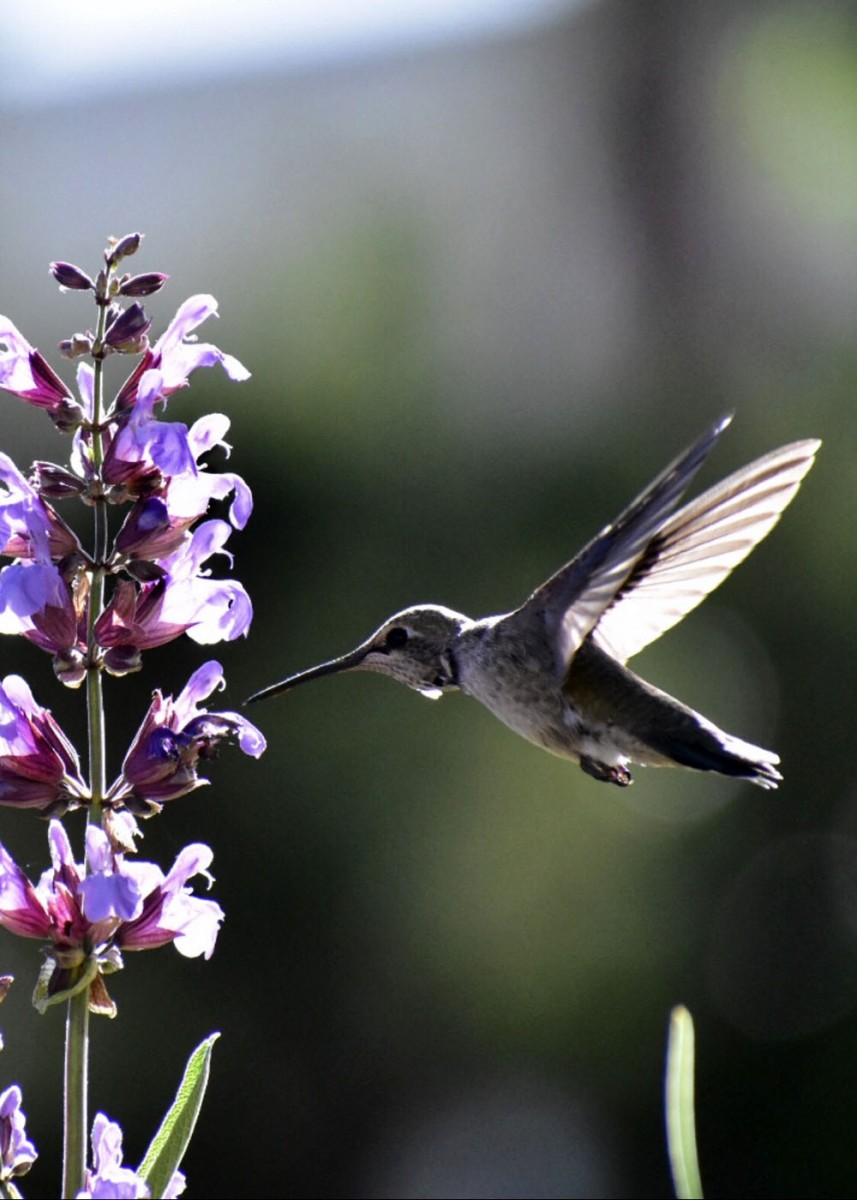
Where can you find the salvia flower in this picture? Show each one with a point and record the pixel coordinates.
(191, 493)
(39, 767)
(214, 610)
(182, 599)
(176, 733)
(46, 605)
(25, 373)
(43, 592)
(30, 528)
(156, 525)
(107, 1179)
(17, 1152)
(177, 353)
(88, 917)
(143, 443)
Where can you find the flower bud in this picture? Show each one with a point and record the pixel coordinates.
(122, 248)
(39, 766)
(70, 667)
(127, 334)
(122, 660)
(74, 347)
(143, 285)
(55, 482)
(149, 532)
(67, 415)
(70, 277)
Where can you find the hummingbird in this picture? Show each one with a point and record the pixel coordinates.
(554, 671)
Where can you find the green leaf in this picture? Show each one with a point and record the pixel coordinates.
(168, 1145)
(681, 1129)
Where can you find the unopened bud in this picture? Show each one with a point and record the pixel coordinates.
(55, 482)
(70, 667)
(67, 416)
(143, 285)
(71, 277)
(122, 660)
(128, 332)
(144, 570)
(75, 346)
(119, 248)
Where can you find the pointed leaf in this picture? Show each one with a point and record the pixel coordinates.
(168, 1146)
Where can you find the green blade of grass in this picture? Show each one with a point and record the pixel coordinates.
(681, 1127)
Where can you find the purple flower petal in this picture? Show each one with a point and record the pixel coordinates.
(18, 1152)
(108, 1179)
(108, 891)
(178, 354)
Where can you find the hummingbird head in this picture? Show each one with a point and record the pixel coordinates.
(414, 646)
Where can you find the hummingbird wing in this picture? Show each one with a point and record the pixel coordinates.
(696, 548)
(573, 601)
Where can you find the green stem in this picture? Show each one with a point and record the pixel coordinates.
(76, 1080)
(75, 1091)
(94, 694)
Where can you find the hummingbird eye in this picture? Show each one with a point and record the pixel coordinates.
(396, 638)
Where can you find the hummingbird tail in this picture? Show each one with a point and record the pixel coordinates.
(707, 748)
(648, 726)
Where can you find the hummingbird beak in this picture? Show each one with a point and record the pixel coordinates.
(346, 662)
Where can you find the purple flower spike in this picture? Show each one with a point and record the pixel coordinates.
(17, 1152)
(175, 734)
(39, 767)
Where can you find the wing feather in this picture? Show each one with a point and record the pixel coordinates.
(574, 599)
(696, 548)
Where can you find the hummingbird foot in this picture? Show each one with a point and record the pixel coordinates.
(606, 773)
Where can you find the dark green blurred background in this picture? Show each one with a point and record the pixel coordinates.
(487, 289)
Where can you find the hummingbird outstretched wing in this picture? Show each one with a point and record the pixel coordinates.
(574, 599)
(648, 569)
(698, 546)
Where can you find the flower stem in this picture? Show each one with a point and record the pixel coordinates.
(75, 1092)
(76, 1080)
(94, 694)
